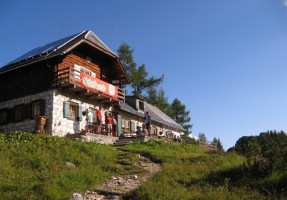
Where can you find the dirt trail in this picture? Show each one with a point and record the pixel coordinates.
(117, 186)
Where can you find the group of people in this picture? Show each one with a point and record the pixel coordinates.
(110, 122)
(111, 125)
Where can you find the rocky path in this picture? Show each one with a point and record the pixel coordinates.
(117, 186)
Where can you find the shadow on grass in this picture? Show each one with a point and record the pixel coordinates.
(242, 176)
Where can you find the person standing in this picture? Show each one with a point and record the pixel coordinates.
(100, 119)
(147, 118)
(109, 124)
(115, 125)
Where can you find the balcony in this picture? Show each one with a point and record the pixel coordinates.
(79, 83)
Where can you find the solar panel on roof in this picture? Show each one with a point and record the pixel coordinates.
(52, 49)
(46, 49)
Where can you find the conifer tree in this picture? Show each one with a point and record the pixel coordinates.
(125, 54)
(141, 82)
(202, 138)
(138, 75)
(158, 99)
(217, 143)
(178, 112)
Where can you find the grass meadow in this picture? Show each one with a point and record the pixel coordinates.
(46, 167)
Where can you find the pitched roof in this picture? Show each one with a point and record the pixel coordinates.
(55, 48)
(155, 113)
(160, 116)
(43, 51)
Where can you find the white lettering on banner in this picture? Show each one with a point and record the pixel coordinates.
(94, 84)
(112, 90)
(99, 85)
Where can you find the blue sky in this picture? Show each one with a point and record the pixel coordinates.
(225, 59)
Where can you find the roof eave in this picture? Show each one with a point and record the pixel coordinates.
(23, 64)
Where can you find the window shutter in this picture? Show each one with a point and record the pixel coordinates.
(119, 125)
(43, 107)
(67, 113)
(132, 126)
(80, 116)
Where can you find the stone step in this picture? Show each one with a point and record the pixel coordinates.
(128, 140)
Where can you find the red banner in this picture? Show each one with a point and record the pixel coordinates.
(98, 85)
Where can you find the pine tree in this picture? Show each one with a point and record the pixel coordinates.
(178, 112)
(141, 82)
(214, 141)
(202, 138)
(158, 99)
(125, 54)
(217, 143)
(138, 75)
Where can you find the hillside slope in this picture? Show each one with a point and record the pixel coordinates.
(45, 167)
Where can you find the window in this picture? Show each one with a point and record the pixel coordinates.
(19, 113)
(133, 128)
(37, 108)
(126, 125)
(3, 116)
(72, 111)
(22, 112)
(141, 105)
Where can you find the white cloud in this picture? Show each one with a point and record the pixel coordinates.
(285, 2)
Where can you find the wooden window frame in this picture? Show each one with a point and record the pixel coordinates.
(126, 124)
(141, 105)
(19, 113)
(132, 126)
(35, 109)
(72, 111)
(40, 110)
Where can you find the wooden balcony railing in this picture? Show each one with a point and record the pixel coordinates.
(72, 80)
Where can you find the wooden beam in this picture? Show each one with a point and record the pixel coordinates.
(70, 86)
(82, 92)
